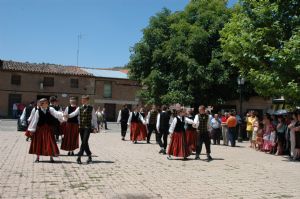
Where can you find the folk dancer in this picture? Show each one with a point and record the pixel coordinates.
(123, 119)
(27, 116)
(134, 122)
(162, 126)
(191, 132)
(151, 120)
(43, 140)
(178, 146)
(87, 124)
(203, 125)
(55, 122)
(70, 140)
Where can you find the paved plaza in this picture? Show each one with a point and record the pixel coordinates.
(125, 170)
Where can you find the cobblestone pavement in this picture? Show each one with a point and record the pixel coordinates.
(125, 170)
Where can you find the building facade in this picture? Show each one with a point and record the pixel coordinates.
(26, 82)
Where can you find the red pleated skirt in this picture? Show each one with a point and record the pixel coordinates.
(136, 132)
(70, 142)
(191, 139)
(143, 132)
(43, 142)
(178, 146)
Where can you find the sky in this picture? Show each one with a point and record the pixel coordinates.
(46, 31)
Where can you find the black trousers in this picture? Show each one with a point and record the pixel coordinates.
(151, 127)
(85, 135)
(203, 137)
(124, 127)
(163, 134)
(216, 135)
(56, 131)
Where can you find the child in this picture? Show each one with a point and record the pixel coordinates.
(135, 128)
(259, 136)
(178, 146)
(70, 141)
(43, 140)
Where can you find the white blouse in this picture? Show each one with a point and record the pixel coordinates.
(57, 114)
(140, 117)
(174, 122)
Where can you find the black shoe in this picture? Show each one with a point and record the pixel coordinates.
(37, 160)
(161, 151)
(51, 160)
(123, 139)
(135, 142)
(78, 160)
(27, 139)
(169, 158)
(72, 153)
(148, 142)
(69, 153)
(164, 152)
(197, 158)
(89, 160)
(209, 157)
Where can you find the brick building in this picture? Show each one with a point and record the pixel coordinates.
(26, 82)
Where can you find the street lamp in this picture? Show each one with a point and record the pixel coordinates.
(241, 82)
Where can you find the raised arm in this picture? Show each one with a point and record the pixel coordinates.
(33, 123)
(173, 125)
(141, 118)
(158, 122)
(119, 117)
(75, 113)
(94, 119)
(196, 121)
(22, 118)
(130, 118)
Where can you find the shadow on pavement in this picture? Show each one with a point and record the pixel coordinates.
(102, 161)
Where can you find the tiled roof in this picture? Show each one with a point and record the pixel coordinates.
(43, 68)
(106, 73)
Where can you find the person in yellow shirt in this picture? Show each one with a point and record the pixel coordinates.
(231, 123)
(250, 119)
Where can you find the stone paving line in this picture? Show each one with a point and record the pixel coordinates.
(125, 170)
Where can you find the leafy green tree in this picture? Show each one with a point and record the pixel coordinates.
(262, 40)
(179, 58)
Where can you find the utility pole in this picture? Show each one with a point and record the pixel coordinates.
(78, 41)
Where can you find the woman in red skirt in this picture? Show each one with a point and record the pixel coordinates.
(191, 133)
(134, 121)
(70, 140)
(143, 127)
(178, 146)
(43, 141)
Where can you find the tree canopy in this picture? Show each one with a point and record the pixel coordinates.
(262, 40)
(179, 58)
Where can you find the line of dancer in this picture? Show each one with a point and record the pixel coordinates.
(188, 132)
(47, 122)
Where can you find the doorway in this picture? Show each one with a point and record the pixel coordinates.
(12, 99)
(110, 112)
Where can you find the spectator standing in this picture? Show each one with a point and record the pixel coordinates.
(231, 123)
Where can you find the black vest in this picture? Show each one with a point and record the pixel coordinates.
(44, 118)
(28, 112)
(86, 116)
(53, 120)
(179, 125)
(73, 120)
(203, 120)
(164, 121)
(135, 117)
(153, 117)
(124, 115)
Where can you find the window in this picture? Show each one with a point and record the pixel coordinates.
(48, 81)
(16, 79)
(74, 83)
(107, 90)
